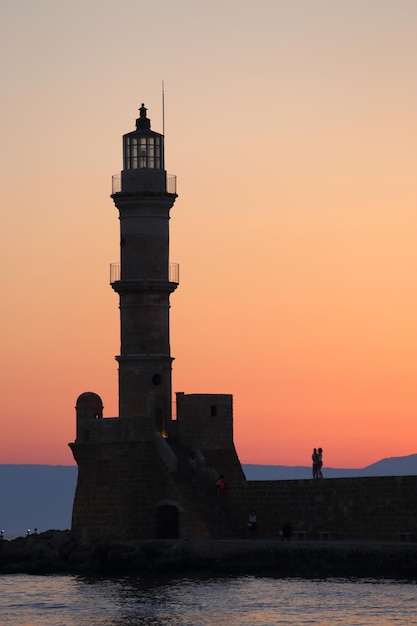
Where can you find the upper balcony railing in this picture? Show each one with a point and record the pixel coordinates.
(173, 272)
(171, 183)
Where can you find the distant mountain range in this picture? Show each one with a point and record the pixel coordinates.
(36, 496)
(393, 466)
(41, 496)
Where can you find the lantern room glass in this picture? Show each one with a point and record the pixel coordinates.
(141, 152)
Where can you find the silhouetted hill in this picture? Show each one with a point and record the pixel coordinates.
(393, 466)
(41, 496)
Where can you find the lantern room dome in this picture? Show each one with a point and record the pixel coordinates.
(143, 122)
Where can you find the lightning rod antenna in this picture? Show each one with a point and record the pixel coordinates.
(163, 109)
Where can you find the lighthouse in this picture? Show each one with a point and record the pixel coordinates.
(144, 194)
(133, 469)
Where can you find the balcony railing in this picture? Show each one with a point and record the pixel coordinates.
(173, 272)
(114, 272)
(171, 183)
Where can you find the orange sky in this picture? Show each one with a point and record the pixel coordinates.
(292, 129)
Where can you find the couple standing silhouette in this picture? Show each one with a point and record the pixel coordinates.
(317, 458)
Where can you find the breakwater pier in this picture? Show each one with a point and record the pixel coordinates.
(62, 552)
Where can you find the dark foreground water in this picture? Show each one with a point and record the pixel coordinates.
(76, 601)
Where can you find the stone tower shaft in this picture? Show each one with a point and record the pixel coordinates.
(144, 279)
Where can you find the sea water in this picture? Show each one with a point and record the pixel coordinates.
(247, 600)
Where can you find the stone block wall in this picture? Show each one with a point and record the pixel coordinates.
(377, 508)
(118, 489)
(205, 421)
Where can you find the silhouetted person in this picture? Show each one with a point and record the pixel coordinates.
(315, 459)
(220, 486)
(252, 525)
(192, 462)
(286, 531)
(320, 463)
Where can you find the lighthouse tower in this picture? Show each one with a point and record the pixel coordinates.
(144, 280)
(133, 469)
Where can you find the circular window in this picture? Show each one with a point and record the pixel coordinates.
(157, 379)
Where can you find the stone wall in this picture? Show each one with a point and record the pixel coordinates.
(205, 421)
(377, 508)
(118, 489)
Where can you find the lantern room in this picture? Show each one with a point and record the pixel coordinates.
(143, 158)
(143, 148)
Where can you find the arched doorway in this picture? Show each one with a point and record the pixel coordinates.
(167, 522)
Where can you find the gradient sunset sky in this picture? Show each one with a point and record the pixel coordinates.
(292, 128)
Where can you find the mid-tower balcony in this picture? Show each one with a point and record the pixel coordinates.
(144, 180)
(173, 273)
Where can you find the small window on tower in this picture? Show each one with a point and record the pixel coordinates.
(157, 379)
(213, 410)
